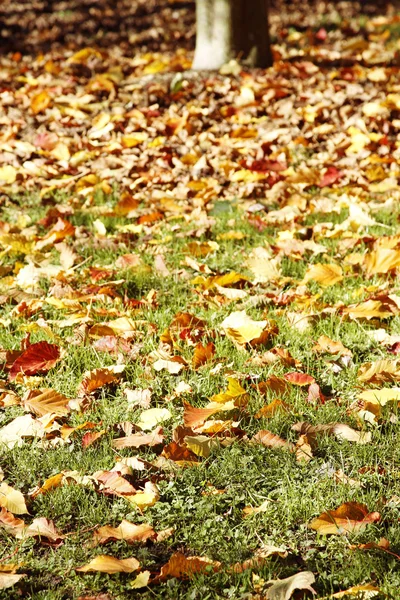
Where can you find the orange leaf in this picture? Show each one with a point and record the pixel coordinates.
(194, 416)
(184, 567)
(270, 440)
(271, 409)
(203, 354)
(93, 380)
(40, 102)
(91, 436)
(300, 379)
(347, 518)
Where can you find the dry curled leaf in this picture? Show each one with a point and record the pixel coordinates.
(270, 440)
(284, 588)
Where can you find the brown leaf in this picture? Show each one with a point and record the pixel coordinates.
(203, 354)
(43, 528)
(93, 380)
(185, 567)
(111, 565)
(45, 401)
(126, 531)
(270, 440)
(341, 430)
(12, 525)
(36, 359)
(179, 454)
(140, 439)
(347, 518)
(325, 344)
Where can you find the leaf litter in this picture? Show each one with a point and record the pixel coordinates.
(268, 202)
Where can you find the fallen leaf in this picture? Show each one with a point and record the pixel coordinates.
(44, 401)
(93, 380)
(379, 371)
(300, 379)
(360, 592)
(37, 358)
(126, 531)
(324, 274)
(234, 393)
(347, 518)
(141, 580)
(241, 328)
(203, 354)
(185, 567)
(270, 440)
(152, 417)
(12, 499)
(111, 565)
(140, 439)
(283, 589)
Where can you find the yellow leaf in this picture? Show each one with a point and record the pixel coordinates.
(126, 531)
(324, 274)
(12, 499)
(152, 417)
(382, 260)
(371, 309)
(241, 328)
(380, 397)
(141, 580)
(201, 445)
(147, 498)
(234, 392)
(379, 371)
(263, 267)
(8, 174)
(111, 565)
(40, 102)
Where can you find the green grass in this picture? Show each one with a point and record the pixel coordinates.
(248, 474)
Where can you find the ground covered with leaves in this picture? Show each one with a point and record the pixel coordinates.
(200, 311)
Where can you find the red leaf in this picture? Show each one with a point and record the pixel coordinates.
(37, 358)
(296, 378)
(332, 175)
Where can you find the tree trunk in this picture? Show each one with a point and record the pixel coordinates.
(229, 29)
